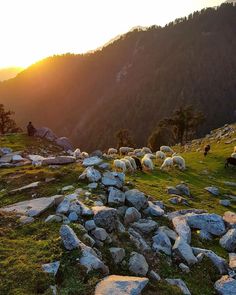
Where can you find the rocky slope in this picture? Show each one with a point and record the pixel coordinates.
(81, 228)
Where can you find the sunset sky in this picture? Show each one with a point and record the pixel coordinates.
(34, 29)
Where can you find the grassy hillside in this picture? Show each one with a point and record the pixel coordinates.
(24, 248)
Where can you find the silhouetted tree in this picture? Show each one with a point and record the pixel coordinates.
(160, 136)
(124, 138)
(7, 124)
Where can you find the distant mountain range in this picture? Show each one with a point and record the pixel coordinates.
(134, 81)
(8, 73)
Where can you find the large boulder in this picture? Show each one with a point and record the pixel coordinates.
(91, 261)
(182, 228)
(161, 243)
(136, 199)
(113, 179)
(105, 217)
(69, 238)
(121, 285)
(182, 249)
(46, 133)
(64, 143)
(118, 254)
(138, 240)
(92, 161)
(131, 215)
(91, 174)
(226, 286)
(59, 160)
(228, 241)
(138, 264)
(145, 226)
(180, 284)
(211, 223)
(213, 190)
(154, 209)
(116, 197)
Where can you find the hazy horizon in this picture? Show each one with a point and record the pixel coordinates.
(43, 28)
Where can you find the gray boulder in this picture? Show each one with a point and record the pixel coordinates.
(100, 234)
(113, 179)
(91, 174)
(69, 238)
(145, 226)
(90, 225)
(183, 188)
(205, 235)
(138, 240)
(138, 264)
(92, 161)
(225, 202)
(180, 284)
(46, 133)
(121, 285)
(182, 228)
(154, 210)
(63, 207)
(136, 199)
(118, 254)
(171, 190)
(228, 241)
(131, 215)
(64, 143)
(161, 243)
(213, 190)
(182, 249)
(105, 217)
(116, 197)
(59, 160)
(169, 232)
(225, 286)
(92, 262)
(85, 211)
(51, 267)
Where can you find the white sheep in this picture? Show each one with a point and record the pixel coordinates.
(233, 155)
(168, 163)
(160, 155)
(125, 150)
(84, 155)
(147, 163)
(146, 150)
(112, 151)
(120, 165)
(132, 162)
(127, 164)
(77, 153)
(150, 156)
(179, 161)
(166, 149)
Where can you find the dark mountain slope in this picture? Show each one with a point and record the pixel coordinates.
(133, 82)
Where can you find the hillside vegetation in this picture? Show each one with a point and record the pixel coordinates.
(141, 77)
(25, 247)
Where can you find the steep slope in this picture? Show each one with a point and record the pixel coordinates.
(134, 81)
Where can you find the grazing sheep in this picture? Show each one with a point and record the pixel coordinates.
(168, 162)
(206, 149)
(125, 150)
(179, 161)
(160, 155)
(132, 162)
(150, 156)
(131, 154)
(230, 161)
(233, 155)
(112, 151)
(84, 155)
(138, 163)
(146, 150)
(118, 164)
(76, 153)
(127, 164)
(147, 162)
(166, 149)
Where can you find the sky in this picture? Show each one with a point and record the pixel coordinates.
(34, 29)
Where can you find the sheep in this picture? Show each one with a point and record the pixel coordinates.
(76, 153)
(120, 165)
(146, 150)
(231, 161)
(138, 163)
(127, 164)
(166, 149)
(168, 162)
(160, 155)
(112, 151)
(233, 155)
(150, 156)
(132, 162)
(147, 162)
(179, 161)
(125, 150)
(84, 155)
(206, 149)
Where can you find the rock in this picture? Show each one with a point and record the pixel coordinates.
(116, 197)
(17, 158)
(5, 150)
(182, 228)
(138, 240)
(228, 241)
(90, 225)
(161, 243)
(25, 219)
(230, 183)
(51, 267)
(232, 261)
(171, 190)
(225, 203)
(26, 187)
(179, 283)
(160, 204)
(67, 188)
(155, 210)
(113, 179)
(169, 232)
(121, 285)
(73, 216)
(100, 234)
(53, 218)
(92, 185)
(182, 212)
(118, 254)
(85, 211)
(154, 276)
(59, 160)
(182, 249)
(136, 199)
(205, 235)
(92, 161)
(183, 188)
(91, 174)
(63, 207)
(65, 143)
(69, 238)
(6, 159)
(105, 217)
(92, 262)
(211, 223)
(75, 207)
(178, 200)
(145, 226)
(218, 261)
(31, 208)
(225, 286)
(213, 190)
(131, 215)
(46, 133)
(184, 268)
(105, 166)
(120, 227)
(138, 264)
(89, 240)
(230, 217)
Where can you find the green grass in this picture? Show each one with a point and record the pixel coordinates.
(24, 248)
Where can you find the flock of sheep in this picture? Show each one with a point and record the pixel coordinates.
(131, 162)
